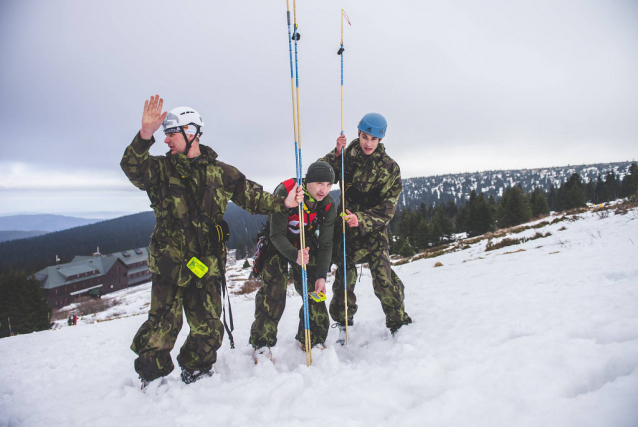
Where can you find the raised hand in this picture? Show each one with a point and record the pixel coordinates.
(152, 117)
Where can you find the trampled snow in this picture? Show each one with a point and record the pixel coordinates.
(547, 336)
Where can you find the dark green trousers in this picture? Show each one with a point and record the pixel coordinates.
(374, 249)
(156, 337)
(270, 303)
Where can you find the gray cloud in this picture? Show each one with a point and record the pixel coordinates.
(464, 85)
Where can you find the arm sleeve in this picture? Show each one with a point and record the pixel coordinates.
(252, 197)
(324, 254)
(379, 216)
(142, 169)
(278, 235)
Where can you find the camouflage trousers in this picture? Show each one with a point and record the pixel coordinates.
(270, 303)
(156, 337)
(374, 249)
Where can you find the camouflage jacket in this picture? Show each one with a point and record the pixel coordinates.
(179, 233)
(287, 242)
(373, 185)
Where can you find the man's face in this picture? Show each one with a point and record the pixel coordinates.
(368, 143)
(175, 142)
(318, 190)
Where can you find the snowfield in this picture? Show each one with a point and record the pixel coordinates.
(547, 336)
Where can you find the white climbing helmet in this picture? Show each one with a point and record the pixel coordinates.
(183, 118)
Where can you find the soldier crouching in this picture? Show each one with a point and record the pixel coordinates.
(280, 247)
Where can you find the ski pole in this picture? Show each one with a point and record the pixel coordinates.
(343, 188)
(294, 84)
(302, 231)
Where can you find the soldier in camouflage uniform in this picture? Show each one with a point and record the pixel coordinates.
(282, 250)
(189, 190)
(373, 185)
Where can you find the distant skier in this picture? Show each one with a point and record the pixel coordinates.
(373, 186)
(283, 249)
(189, 190)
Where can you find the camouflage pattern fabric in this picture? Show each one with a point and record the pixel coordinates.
(179, 234)
(270, 302)
(155, 339)
(373, 186)
(377, 177)
(371, 248)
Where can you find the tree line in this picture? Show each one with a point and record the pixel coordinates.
(418, 229)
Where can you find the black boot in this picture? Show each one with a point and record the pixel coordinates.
(189, 376)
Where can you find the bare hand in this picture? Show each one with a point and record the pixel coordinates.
(305, 256)
(152, 117)
(341, 143)
(294, 197)
(352, 219)
(320, 286)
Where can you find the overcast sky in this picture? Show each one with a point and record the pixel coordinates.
(464, 85)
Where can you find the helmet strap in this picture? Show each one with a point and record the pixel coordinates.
(189, 143)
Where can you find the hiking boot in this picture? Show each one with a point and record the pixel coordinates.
(342, 331)
(342, 335)
(394, 329)
(263, 352)
(144, 384)
(189, 376)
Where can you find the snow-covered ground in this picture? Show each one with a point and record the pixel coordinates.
(547, 336)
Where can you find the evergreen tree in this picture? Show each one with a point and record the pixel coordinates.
(451, 209)
(514, 208)
(574, 193)
(406, 250)
(629, 184)
(613, 185)
(476, 217)
(423, 238)
(443, 223)
(590, 191)
(538, 203)
(552, 198)
(602, 195)
(23, 301)
(422, 211)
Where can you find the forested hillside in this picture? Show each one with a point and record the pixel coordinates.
(127, 232)
(440, 189)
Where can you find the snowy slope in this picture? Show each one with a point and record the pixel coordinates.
(542, 337)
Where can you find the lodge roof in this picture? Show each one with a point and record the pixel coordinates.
(74, 271)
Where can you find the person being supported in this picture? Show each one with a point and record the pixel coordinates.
(279, 246)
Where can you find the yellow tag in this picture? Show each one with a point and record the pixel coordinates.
(317, 296)
(198, 268)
